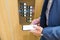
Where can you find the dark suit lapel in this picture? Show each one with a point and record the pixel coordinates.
(43, 15)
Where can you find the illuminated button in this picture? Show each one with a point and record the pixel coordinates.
(24, 9)
(30, 19)
(31, 7)
(24, 12)
(24, 3)
(31, 10)
(24, 15)
(24, 6)
(30, 15)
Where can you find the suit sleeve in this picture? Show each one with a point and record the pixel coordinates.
(51, 33)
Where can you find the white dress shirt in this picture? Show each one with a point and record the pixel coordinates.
(48, 9)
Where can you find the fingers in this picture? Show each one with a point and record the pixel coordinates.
(37, 30)
(37, 27)
(35, 21)
(38, 24)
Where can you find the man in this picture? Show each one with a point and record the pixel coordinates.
(49, 24)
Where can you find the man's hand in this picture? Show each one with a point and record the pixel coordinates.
(37, 30)
(36, 21)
